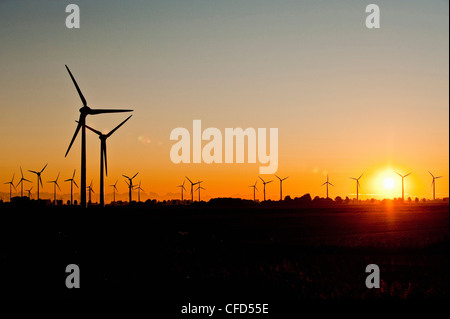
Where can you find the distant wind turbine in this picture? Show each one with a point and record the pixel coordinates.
(29, 192)
(281, 186)
(327, 183)
(55, 182)
(358, 185)
(139, 189)
(198, 189)
(72, 181)
(103, 138)
(11, 183)
(264, 183)
(114, 191)
(85, 111)
(192, 188)
(130, 185)
(254, 189)
(433, 183)
(91, 190)
(39, 179)
(403, 184)
(182, 188)
(21, 182)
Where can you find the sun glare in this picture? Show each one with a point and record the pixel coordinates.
(388, 183)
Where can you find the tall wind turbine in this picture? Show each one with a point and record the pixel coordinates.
(55, 182)
(91, 190)
(130, 184)
(72, 181)
(198, 189)
(85, 111)
(192, 188)
(433, 183)
(264, 183)
(103, 138)
(358, 185)
(114, 191)
(182, 188)
(403, 184)
(39, 179)
(29, 192)
(11, 183)
(281, 186)
(139, 189)
(21, 182)
(254, 188)
(327, 183)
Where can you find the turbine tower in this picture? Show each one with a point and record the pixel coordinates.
(182, 188)
(433, 183)
(21, 182)
(264, 183)
(29, 192)
(130, 184)
(91, 190)
(114, 191)
(39, 179)
(192, 188)
(55, 182)
(358, 185)
(403, 185)
(85, 111)
(139, 189)
(281, 186)
(11, 183)
(254, 188)
(72, 181)
(327, 183)
(103, 138)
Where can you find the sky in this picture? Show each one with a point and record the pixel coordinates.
(346, 99)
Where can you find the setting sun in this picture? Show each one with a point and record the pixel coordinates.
(389, 183)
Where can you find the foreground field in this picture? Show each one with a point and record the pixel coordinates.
(204, 252)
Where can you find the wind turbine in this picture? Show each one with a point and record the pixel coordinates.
(39, 179)
(72, 181)
(21, 182)
(192, 188)
(327, 183)
(90, 189)
(85, 111)
(433, 183)
(11, 183)
(358, 185)
(264, 183)
(403, 185)
(103, 138)
(281, 186)
(29, 192)
(254, 188)
(54, 186)
(198, 189)
(139, 189)
(182, 188)
(130, 184)
(114, 190)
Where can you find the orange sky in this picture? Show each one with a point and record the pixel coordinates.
(346, 100)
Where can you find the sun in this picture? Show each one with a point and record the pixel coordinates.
(388, 183)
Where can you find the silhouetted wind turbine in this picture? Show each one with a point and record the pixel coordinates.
(192, 188)
(198, 189)
(29, 192)
(21, 182)
(254, 188)
(130, 184)
(139, 189)
(327, 183)
(281, 186)
(264, 183)
(85, 111)
(358, 185)
(39, 179)
(182, 188)
(103, 138)
(11, 183)
(433, 183)
(90, 189)
(114, 190)
(403, 185)
(72, 181)
(56, 184)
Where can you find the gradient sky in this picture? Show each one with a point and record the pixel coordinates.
(345, 99)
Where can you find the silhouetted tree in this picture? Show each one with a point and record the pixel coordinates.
(416, 199)
(338, 200)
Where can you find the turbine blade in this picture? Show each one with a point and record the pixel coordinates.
(331, 184)
(261, 179)
(399, 174)
(75, 184)
(361, 176)
(277, 177)
(33, 172)
(115, 129)
(73, 173)
(21, 173)
(102, 111)
(188, 179)
(78, 89)
(438, 177)
(58, 186)
(93, 130)
(431, 174)
(73, 138)
(126, 176)
(135, 175)
(44, 168)
(40, 180)
(285, 178)
(57, 176)
(407, 174)
(104, 156)
(269, 182)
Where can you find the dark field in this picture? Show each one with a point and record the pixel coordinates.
(235, 253)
